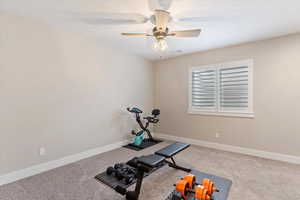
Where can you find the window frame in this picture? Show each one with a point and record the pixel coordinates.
(249, 113)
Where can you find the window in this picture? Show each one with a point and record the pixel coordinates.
(222, 89)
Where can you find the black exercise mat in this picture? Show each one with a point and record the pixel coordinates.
(112, 181)
(222, 184)
(144, 145)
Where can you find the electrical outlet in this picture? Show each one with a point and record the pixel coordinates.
(217, 135)
(42, 151)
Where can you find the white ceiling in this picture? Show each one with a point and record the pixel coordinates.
(230, 21)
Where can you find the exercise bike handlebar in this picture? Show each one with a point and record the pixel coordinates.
(150, 119)
(134, 110)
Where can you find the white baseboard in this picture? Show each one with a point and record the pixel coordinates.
(37, 169)
(235, 149)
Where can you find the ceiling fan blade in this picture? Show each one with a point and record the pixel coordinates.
(186, 33)
(161, 19)
(159, 4)
(136, 34)
(199, 19)
(110, 18)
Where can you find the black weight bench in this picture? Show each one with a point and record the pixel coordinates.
(170, 151)
(147, 163)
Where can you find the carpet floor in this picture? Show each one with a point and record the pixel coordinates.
(253, 178)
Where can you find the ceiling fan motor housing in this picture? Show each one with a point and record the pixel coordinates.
(159, 34)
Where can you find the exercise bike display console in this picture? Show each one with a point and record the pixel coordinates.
(140, 141)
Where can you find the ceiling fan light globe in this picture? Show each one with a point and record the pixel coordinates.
(160, 45)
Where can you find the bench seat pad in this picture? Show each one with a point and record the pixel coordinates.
(172, 149)
(151, 160)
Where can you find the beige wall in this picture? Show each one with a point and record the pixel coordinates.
(276, 126)
(63, 91)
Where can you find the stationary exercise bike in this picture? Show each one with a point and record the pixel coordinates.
(140, 141)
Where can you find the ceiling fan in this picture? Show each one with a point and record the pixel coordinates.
(160, 31)
(160, 19)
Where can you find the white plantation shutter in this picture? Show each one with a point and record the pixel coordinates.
(222, 89)
(233, 88)
(204, 89)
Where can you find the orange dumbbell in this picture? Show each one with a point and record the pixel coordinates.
(207, 183)
(209, 186)
(191, 179)
(187, 187)
(201, 193)
(182, 187)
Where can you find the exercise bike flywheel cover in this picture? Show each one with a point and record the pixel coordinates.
(182, 187)
(191, 179)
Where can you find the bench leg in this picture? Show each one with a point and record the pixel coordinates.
(175, 166)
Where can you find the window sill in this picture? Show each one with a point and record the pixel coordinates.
(223, 114)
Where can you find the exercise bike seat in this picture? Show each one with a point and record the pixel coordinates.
(151, 160)
(172, 149)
